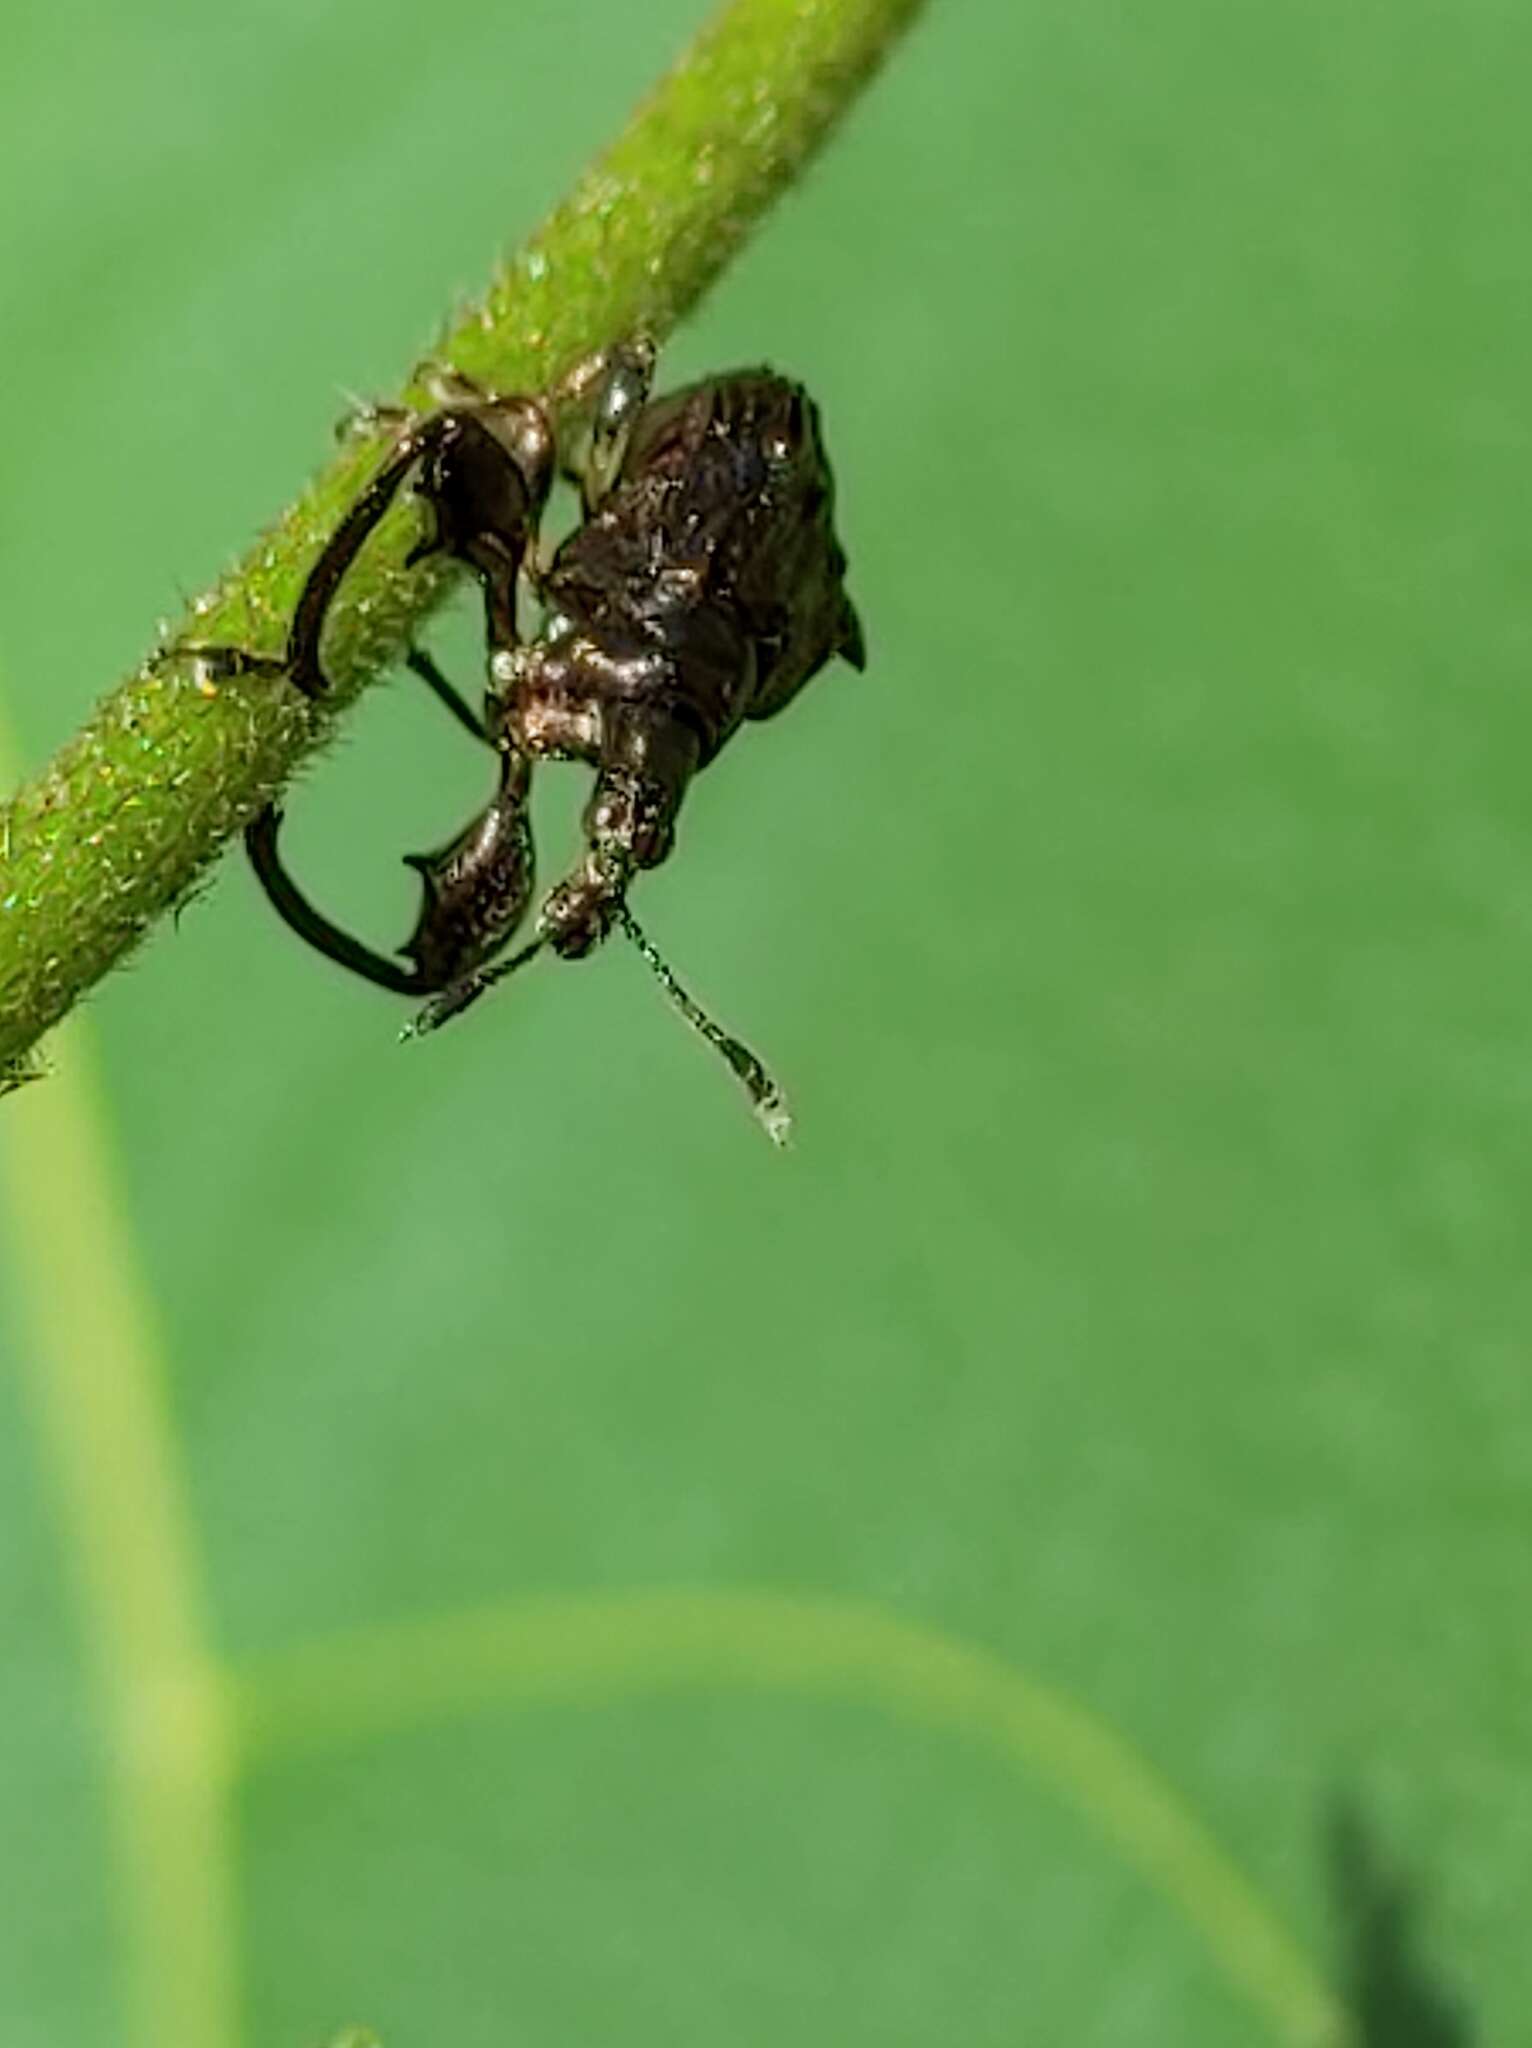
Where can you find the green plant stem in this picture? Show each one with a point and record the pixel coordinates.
(120, 825)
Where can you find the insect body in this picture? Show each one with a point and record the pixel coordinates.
(703, 588)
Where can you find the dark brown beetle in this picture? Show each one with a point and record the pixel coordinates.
(703, 587)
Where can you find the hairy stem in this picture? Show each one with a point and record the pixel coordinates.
(119, 826)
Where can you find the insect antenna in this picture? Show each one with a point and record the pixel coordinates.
(767, 1101)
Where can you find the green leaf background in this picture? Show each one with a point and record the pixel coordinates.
(1049, 1559)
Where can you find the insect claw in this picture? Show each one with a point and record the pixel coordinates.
(442, 1009)
(228, 663)
(451, 1002)
(366, 416)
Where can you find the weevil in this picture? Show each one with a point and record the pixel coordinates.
(703, 587)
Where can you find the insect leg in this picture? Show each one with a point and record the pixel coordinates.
(300, 662)
(597, 404)
(474, 893)
(484, 509)
(446, 693)
(343, 547)
(294, 908)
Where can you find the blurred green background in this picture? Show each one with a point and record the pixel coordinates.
(1146, 943)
